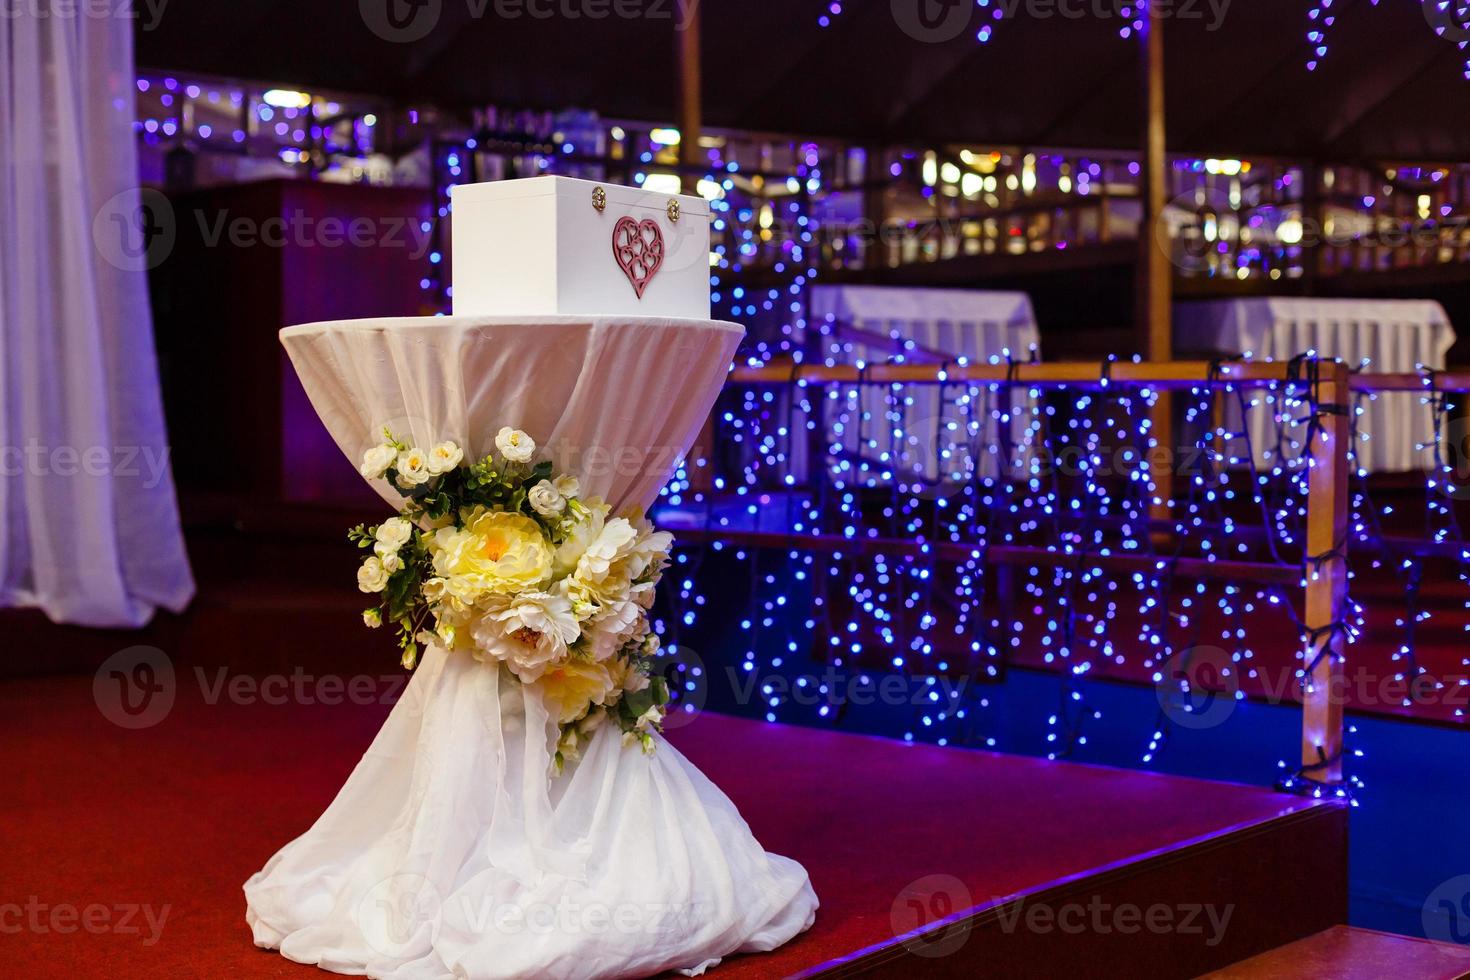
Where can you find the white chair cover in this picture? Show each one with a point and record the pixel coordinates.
(874, 324)
(1397, 336)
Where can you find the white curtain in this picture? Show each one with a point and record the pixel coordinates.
(91, 528)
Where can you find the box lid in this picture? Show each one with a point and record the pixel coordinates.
(617, 196)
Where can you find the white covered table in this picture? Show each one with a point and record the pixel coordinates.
(1395, 336)
(452, 850)
(873, 324)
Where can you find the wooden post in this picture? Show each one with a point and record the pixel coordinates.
(689, 94)
(1327, 522)
(1153, 276)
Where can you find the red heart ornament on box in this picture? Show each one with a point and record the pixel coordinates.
(639, 248)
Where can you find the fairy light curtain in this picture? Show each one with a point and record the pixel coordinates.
(91, 528)
(1049, 555)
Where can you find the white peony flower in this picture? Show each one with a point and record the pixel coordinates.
(444, 457)
(375, 461)
(581, 528)
(546, 499)
(614, 541)
(614, 626)
(567, 486)
(528, 632)
(413, 467)
(394, 534)
(391, 561)
(515, 445)
(372, 576)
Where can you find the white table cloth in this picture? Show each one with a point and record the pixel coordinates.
(873, 324)
(1395, 335)
(451, 851)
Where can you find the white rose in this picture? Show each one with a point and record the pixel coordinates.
(546, 499)
(372, 576)
(394, 534)
(567, 486)
(413, 467)
(444, 457)
(515, 445)
(372, 618)
(375, 461)
(391, 561)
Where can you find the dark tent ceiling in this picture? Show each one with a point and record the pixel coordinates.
(1388, 87)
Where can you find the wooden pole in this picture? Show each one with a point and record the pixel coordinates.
(1153, 276)
(1327, 523)
(688, 32)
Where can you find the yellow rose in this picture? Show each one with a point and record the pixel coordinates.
(569, 688)
(494, 552)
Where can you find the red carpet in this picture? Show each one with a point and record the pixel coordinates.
(101, 822)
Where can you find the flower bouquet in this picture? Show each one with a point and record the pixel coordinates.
(503, 560)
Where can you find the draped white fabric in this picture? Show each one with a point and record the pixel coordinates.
(1396, 336)
(91, 528)
(874, 324)
(451, 851)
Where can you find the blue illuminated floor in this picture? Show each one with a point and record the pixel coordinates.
(1408, 835)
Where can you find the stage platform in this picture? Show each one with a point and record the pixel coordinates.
(1005, 866)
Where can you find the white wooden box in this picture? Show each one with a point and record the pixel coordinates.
(547, 245)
